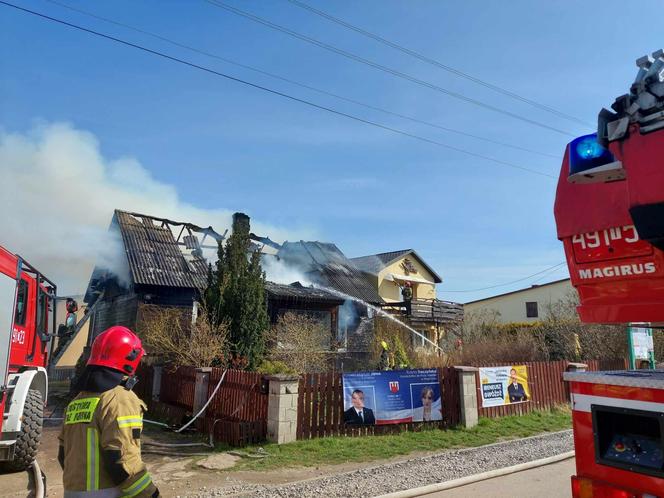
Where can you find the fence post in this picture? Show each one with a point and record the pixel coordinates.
(468, 395)
(282, 408)
(156, 382)
(201, 388)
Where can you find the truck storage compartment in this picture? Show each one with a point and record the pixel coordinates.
(629, 439)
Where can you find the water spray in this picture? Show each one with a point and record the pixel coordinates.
(378, 311)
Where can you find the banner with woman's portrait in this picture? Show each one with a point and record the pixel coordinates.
(392, 397)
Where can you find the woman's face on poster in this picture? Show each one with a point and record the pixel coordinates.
(427, 398)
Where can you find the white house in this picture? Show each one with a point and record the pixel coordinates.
(524, 305)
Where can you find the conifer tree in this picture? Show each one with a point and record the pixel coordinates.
(236, 294)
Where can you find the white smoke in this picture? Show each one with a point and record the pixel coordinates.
(57, 197)
(278, 272)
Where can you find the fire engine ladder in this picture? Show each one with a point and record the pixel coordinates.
(59, 351)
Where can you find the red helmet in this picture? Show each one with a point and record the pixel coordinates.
(117, 348)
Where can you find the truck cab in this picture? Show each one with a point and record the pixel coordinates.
(27, 308)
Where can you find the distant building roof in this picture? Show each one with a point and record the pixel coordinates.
(375, 263)
(324, 263)
(525, 289)
(297, 292)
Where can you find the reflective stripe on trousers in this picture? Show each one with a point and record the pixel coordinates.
(98, 493)
(138, 486)
(92, 460)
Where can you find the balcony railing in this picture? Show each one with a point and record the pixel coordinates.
(429, 311)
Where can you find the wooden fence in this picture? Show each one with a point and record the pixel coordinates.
(546, 385)
(239, 408)
(321, 403)
(237, 415)
(321, 407)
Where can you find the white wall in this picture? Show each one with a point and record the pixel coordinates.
(512, 307)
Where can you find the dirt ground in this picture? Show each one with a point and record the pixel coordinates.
(174, 476)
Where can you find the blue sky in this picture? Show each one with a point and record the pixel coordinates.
(226, 146)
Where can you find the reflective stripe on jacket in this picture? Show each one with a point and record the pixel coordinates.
(97, 425)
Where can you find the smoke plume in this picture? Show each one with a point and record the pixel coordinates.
(57, 197)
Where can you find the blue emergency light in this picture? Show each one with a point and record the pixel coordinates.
(589, 162)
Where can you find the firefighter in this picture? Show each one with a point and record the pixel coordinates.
(384, 363)
(100, 441)
(407, 294)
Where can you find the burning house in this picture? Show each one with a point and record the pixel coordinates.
(326, 266)
(295, 298)
(165, 263)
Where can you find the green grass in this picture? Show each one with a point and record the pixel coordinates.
(335, 450)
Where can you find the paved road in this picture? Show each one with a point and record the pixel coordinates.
(550, 481)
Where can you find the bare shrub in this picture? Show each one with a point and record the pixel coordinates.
(658, 343)
(300, 342)
(521, 345)
(568, 338)
(559, 335)
(170, 334)
(426, 359)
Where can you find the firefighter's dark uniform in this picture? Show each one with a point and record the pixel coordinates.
(407, 294)
(101, 446)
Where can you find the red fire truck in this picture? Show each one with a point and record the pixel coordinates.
(609, 213)
(27, 311)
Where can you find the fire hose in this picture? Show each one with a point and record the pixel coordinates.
(183, 445)
(214, 393)
(38, 479)
(162, 448)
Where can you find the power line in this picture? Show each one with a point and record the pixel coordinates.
(274, 92)
(436, 63)
(380, 67)
(299, 84)
(508, 283)
(547, 275)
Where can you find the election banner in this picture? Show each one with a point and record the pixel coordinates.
(391, 397)
(504, 385)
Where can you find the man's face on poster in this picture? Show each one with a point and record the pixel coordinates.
(358, 400)
(513, 376)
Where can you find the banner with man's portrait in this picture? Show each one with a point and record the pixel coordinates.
(504, 385)
(391, 397)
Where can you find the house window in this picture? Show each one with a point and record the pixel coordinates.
(531, 309)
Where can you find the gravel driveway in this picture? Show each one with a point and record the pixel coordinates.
(412, 473)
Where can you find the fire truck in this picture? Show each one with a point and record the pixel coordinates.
(609, 212)
(27, 312)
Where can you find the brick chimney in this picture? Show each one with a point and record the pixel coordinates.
(241, 221)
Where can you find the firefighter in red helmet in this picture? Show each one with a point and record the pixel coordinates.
(100, 448)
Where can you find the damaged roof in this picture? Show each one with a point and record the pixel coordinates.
(154, 256)
(324, 263)
(375, 263)
(298, 292)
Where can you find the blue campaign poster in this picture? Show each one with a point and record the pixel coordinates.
(391, 397)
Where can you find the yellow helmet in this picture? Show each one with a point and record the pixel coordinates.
(384, 344)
